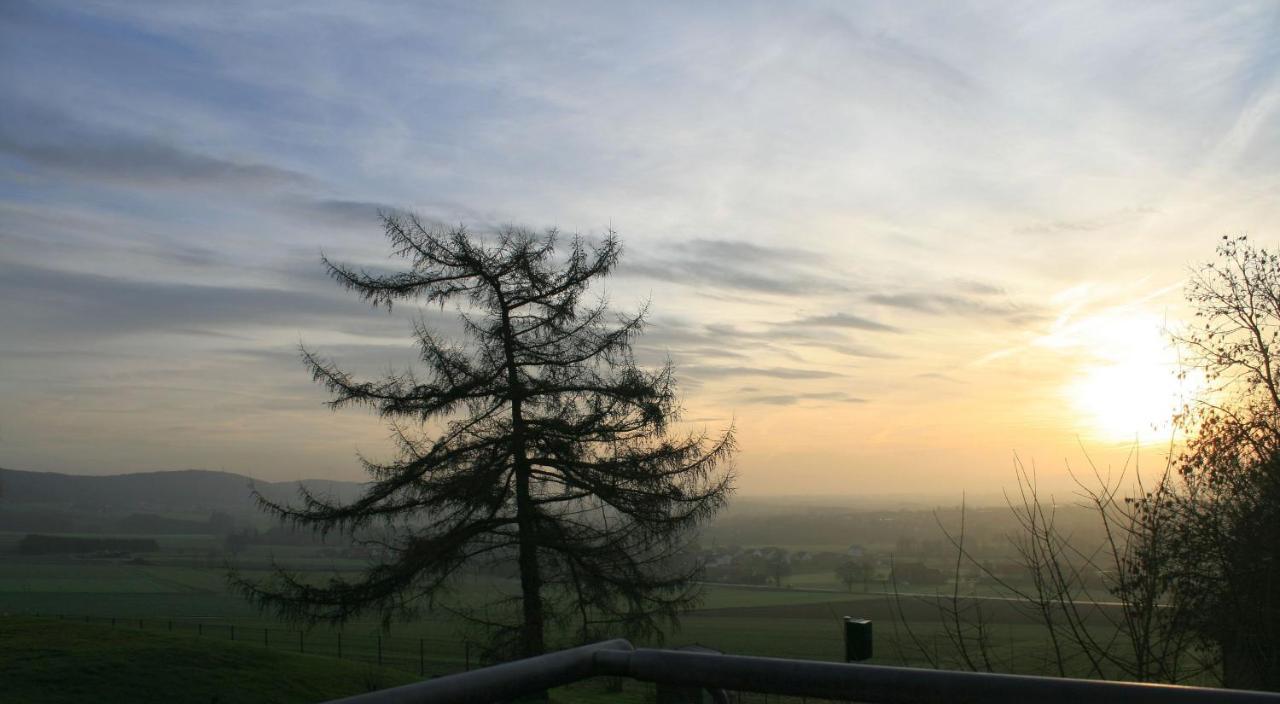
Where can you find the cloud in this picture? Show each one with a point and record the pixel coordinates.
(792, 399)
(60, 303)
(736, 265)
(841, 320)
(691, 343)
(790, 373)
(938, 376)
(1087, 224)
(978, 300)
(147, 162)
(345, 212)
(53, 142)
(714, 274)
(42, 233)
(746, 252)
(850, 350)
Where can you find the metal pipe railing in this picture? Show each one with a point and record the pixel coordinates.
(894, 685)
(498, 682)
(801, 678)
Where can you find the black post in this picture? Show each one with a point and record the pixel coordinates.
(113, 622)
(233, 632)
(339, 645)
(301, 647)
(422, 669)
(171, 624)
(857, 639)
(379, 650)
(266, 637)
(466, 656)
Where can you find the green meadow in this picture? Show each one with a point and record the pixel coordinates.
(173, 594)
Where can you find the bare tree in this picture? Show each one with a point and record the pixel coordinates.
(1104, 604)
(1225, 540)
(853, 571)
(1193, 560)
(536, 443)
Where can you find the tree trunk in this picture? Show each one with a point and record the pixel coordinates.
(532, 642)
(530, 577)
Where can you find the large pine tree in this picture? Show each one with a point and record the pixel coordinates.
(536, 441)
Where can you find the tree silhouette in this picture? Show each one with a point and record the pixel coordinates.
(1194, 560)
(1225, 542)
(535, 441)
(852, 571)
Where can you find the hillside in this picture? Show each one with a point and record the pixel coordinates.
(192, 491)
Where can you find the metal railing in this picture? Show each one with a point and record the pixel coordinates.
(799, 678)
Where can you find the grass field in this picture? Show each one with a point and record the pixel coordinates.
(47, 662)
(745, 620)
(178, 594)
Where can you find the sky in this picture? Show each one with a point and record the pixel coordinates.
(895, 244)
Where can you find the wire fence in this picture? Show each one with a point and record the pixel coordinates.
(429, 656)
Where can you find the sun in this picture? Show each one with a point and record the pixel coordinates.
(1128, 400)
(1127, 388)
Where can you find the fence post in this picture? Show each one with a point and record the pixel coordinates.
(422, 670)
(233, 632)
(466, 656)
(113, 622)
(379, 650)
(857, 639)
(171, 625)
(266, 637)
(301, 647)
(200, 628)
(339, 645)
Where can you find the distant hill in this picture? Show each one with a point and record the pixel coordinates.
(187, 491)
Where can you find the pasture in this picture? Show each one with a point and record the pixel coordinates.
(51, 662)
(184, 591)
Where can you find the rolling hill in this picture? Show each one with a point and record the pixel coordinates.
(191, 491)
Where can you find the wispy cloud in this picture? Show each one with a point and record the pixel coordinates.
(790, 373)
(793, 399)
(690, 341)
(736, 265)
(54, 143)
(841, 320)
(931, 303)
(55, 303)
(1095, 223)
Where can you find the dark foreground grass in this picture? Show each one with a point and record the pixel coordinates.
(49, 662)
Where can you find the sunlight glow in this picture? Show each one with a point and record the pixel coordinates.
(1129, 388)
